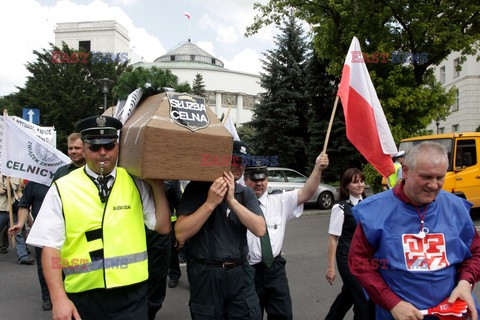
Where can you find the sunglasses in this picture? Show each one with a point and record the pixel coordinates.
(96, 147)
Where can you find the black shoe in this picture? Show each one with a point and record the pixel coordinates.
(28, 261)
(3, 250)
(172, 283)
(47, 305)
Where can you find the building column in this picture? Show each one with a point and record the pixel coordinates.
(218, 103)
(239, 106)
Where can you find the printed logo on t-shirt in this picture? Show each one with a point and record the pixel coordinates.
(425, 254)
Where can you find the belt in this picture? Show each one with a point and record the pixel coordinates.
(229, 264)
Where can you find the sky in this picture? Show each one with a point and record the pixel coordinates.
(154, 27)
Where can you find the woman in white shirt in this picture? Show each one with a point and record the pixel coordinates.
(341, 230)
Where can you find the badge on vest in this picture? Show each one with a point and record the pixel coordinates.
(425, 254)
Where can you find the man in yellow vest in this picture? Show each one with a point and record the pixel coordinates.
(91, 226)
(396, 177)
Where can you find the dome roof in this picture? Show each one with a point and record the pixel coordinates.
(188, 52)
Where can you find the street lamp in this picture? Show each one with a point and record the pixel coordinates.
(106, 83)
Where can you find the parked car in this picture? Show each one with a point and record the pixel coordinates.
(285, 179)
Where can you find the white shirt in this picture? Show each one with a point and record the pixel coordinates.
(277, 209)
(337, 217)
(49, 227)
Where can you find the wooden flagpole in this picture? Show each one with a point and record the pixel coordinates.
(10, 211)
(327, 136)
(226, 115)
(9, 190)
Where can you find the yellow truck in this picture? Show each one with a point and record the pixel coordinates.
(463, 173)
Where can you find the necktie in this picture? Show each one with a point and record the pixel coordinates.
(267, 254)
(103, 189)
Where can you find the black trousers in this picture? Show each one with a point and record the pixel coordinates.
(41, 278)
(352, 294)
(222, 294)
(272, 289)
(124, 303)
(158, 248)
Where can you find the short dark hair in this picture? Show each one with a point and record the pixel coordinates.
(350, 175)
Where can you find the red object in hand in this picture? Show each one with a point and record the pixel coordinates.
(456, 309)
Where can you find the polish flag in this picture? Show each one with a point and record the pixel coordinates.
(367, 127)
(187, 15)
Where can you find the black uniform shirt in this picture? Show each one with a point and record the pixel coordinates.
(222, 237)
(63, 171)
(33, 195)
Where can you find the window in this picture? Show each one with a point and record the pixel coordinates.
(441, 130)
(456, 104)
(294, 177)
(466, 153)
(172, 58)
(442, 74)
(455, 128)
(84, 46)
(275, 176)
(456, 66)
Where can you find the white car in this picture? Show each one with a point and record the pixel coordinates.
(284, 179)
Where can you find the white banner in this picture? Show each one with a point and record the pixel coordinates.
(231, 128)
(132, 101)
(26, 156)
(47, 134)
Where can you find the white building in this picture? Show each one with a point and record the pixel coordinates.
(226, 89)
(104, 36)
(465, 112)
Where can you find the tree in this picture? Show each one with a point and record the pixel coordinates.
(280, 118)
(198, 87)
(408, 91)
(63, 85)
(152, 80)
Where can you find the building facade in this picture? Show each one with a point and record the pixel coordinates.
(228, 91)
(465, 111)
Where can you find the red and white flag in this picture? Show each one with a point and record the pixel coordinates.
(187, 14)
(367, 127)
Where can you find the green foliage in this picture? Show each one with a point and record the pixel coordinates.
(152, 80)
(372, 178)
(247, 134)
(12, 104)
(410, 96)
(65, 92)
(280, 119)
(198, 87)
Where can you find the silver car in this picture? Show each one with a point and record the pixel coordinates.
(285, 179)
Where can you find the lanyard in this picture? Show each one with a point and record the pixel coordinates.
(423, 230)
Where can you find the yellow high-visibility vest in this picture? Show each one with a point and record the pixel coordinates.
(392, 179)
(105, 245)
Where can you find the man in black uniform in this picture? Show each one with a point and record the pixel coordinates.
(215, 217)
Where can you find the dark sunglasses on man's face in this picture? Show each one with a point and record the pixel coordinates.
(97, 147)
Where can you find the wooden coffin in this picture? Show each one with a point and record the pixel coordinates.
(153, 145)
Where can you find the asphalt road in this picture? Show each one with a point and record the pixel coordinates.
(304, 249)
